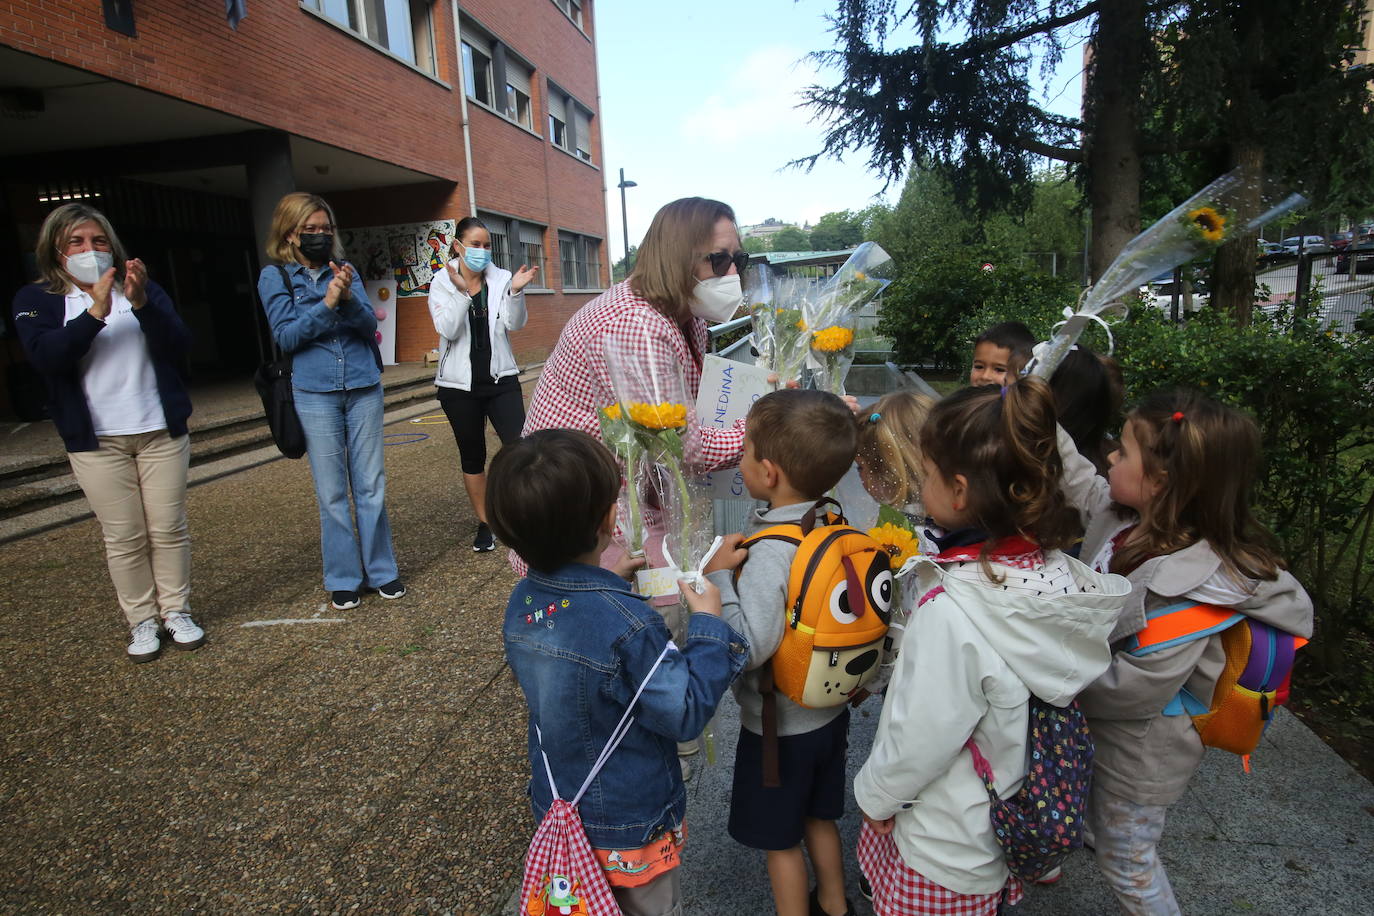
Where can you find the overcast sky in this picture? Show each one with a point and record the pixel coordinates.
(700, 99)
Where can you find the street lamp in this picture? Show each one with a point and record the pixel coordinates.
(624, 220)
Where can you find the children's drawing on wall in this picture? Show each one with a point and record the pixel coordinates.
(407, 253)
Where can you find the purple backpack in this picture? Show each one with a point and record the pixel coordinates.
(1043, 822)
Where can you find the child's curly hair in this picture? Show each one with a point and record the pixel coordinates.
(1004, 443)
(1204, 456)
(889, 445)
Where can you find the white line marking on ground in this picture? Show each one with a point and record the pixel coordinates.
(289, 620)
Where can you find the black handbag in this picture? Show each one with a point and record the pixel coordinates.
(273, 382)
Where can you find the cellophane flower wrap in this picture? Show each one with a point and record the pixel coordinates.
(653, 418)
(1209, 218)
(896, 533)
(832, 314)
(759, 296)
(785, 342)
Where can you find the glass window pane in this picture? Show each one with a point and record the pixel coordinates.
(400, 40)
(338, 11)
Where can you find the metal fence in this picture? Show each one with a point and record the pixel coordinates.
(1321, 286)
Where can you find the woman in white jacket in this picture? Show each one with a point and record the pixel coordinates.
(1002, 614)
(474, 305)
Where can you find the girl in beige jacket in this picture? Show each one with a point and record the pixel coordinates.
(1173, 518)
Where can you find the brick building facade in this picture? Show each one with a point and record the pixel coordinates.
(186, 132)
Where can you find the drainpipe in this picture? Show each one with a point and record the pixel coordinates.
(463, 103)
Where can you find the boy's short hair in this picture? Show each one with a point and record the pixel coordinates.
(1010, 335)
(810, 435)
(548, 493)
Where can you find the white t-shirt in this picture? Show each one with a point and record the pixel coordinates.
(117, 372)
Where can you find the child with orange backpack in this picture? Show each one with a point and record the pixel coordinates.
(1006, 631)
(1173, 518)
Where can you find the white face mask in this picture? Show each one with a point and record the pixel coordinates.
(717, 299)
(88, 266)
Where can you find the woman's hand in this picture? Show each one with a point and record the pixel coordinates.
(341, 286)
(136, 283)
(522, 277)
(100, 295)
(882, 827)
(729, 556)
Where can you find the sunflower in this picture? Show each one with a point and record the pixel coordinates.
(899, 543)
(832, 339)
(611, 411)
(658, 416)
(1209, 223)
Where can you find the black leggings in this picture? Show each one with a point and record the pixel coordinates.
(467, 412)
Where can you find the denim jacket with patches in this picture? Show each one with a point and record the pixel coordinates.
(580, 643)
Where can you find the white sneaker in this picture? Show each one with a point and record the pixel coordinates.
(183, 630)
(144, 645)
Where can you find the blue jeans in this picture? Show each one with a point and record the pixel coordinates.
(343, 436)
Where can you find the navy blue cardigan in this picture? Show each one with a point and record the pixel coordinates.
(56, 348)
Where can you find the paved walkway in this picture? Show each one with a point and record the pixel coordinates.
(372, 761)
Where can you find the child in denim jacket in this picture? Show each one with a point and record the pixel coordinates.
(581, 643)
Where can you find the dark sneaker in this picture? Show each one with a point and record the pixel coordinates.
(393, 589)
(865, 888)
(183, 630)
(483, 541)
(343, 601)
(144, 644)
(818, 910)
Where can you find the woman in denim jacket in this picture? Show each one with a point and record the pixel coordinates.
(320, 315)
(581, 643)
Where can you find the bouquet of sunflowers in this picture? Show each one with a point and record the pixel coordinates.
(1209, 218)
(775, 306)
(649, 425)
(831, 316)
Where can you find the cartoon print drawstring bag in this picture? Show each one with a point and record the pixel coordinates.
(562, 874)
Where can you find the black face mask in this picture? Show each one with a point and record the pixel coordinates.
(317, 247)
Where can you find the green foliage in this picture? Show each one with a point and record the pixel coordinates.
(925, 311)
(625, 266)
(1311, 394)
(754, 245)
(790, 239)
(838, 230)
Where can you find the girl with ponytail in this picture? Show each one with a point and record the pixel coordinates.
(1173, 516)
(1002, 614)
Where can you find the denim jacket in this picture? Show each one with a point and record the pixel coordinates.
(332, 349)
(580, 643)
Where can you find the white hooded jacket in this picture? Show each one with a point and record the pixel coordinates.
(973, 653)
(448, 308)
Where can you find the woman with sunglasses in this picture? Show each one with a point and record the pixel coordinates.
(474, 305)
(319, 314)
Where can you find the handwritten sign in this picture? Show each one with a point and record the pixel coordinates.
(728, 390)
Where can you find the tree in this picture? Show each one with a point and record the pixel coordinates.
(834, 231)
(625, 266)
(754, 244)
(1201, 84)
(791, 239)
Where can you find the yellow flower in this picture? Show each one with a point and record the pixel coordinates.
(1209, 222)
(899, 543)
(801, 324)
(860, 276)
(658, 416)
(612, 411)
(832, 339)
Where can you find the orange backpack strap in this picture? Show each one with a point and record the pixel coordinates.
(1182, 622)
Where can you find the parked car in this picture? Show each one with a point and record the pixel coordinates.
(1340, 240)
(1310, 244)
(1159, 292)
(1363, 253)
(1268, 251)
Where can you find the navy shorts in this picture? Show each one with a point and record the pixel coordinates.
(811, 767)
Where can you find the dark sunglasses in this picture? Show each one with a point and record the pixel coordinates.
(721, 261)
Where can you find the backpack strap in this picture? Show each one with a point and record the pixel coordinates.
(808, 521)
(771, 777)
(617, 735)
(1179, 623)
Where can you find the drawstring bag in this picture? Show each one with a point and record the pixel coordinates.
(562, 875)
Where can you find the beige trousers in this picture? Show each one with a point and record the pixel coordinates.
(136, 486)
(660, 897)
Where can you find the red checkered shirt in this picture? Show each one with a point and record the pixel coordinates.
(575, 380)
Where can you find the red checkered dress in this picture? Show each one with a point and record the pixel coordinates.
(900, 890)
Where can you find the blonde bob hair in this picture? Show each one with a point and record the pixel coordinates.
(679, 237)
(291, 213)
(52, 237)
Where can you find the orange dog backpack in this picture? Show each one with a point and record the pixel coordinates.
(839, 604)
(1259, 667)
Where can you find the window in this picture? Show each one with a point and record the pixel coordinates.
(580, 260)
(572, 9)
(401, 27)
(518, 94)
(477, 68)
(570, 124)
(532, 238)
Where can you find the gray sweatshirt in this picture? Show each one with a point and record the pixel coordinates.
(759, 615)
